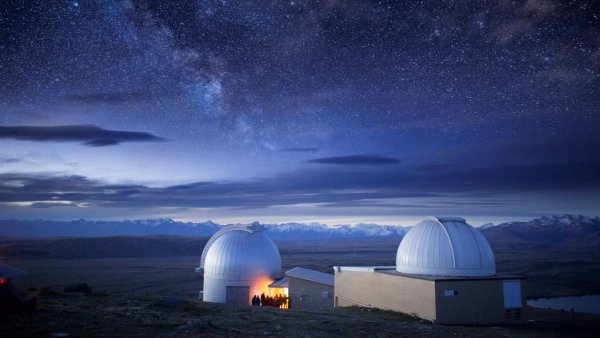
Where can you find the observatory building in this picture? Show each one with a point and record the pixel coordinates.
(238, 262)
(445, 272)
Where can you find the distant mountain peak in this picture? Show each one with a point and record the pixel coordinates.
(568, 219)
(560, 229)
(486, 226)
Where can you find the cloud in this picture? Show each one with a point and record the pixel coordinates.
(44, 205)
(9, 160)
(355, 160)
(280, 190)
(320, 187)
(373, 204)
(90, 135)
(101, 143)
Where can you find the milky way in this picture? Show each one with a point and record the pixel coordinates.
(331, 111)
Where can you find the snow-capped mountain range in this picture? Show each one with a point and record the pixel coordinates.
(319, 231)
(557, 220)
(546, 229)
(167, 226)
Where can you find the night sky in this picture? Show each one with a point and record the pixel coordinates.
(327, 111)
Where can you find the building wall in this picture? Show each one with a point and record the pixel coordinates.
(321, 294)
(442, 301)
(469, 301)
(475, 302)
(386, 291)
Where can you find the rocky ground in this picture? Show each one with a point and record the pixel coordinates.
(102, 315)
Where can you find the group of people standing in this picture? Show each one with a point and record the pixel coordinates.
(279, 301)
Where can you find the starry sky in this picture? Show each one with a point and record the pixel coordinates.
(326, 111)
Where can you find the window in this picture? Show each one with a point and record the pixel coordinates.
(450, 293)
(325, 294)
(512, 293)
(305, 297)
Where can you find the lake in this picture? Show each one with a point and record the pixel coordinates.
(584, 304)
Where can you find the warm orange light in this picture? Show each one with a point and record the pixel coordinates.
(278, 291)
(261, 286)
(281, 293)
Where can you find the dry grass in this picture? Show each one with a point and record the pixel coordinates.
(137, 316)
(133, 284)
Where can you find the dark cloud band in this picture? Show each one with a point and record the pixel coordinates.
(355, 160)
(88, 134)
(331, 187)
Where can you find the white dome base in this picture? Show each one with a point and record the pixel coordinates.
(215, 290)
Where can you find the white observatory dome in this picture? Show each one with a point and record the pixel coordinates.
(239, 262)
(241, 255)
(445, 246)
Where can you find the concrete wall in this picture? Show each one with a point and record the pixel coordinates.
(470, 302)
(475, 302)
(297, 287)
(386, 291)
(442, 301)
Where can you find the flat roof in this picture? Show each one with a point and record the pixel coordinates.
(282, 282)
(311, 275)
(363, 268)
(391, 270)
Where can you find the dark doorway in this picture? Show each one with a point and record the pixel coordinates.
(238, 295)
